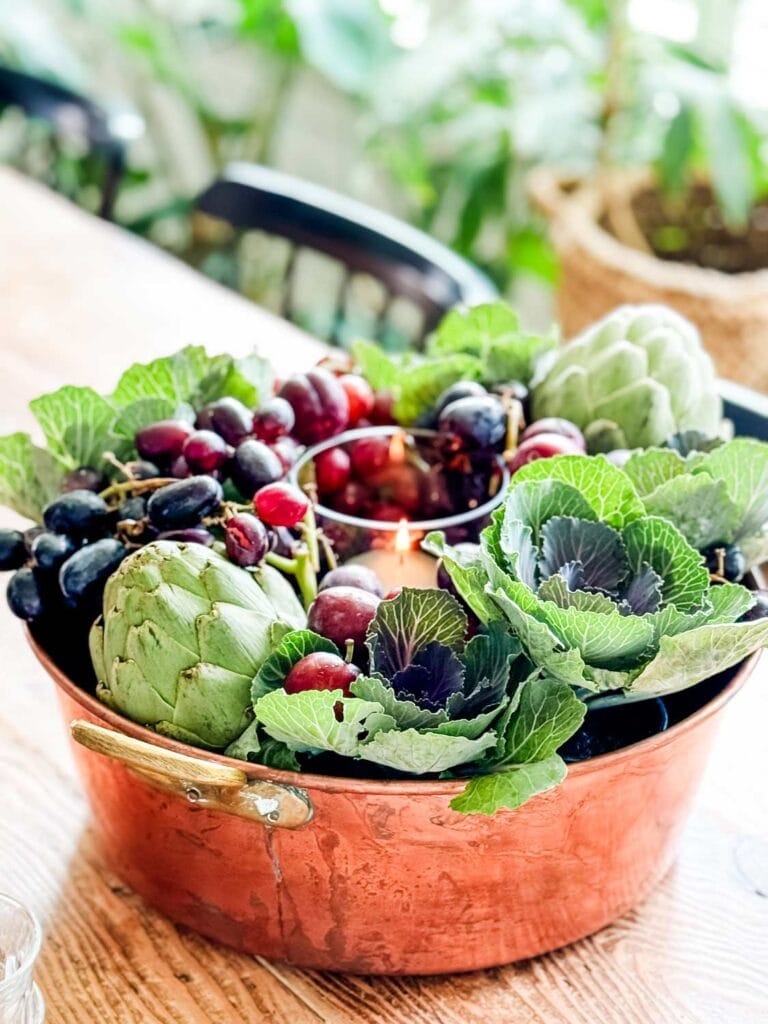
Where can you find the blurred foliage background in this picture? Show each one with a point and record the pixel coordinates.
(433, 109)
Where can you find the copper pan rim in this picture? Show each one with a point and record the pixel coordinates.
(337, 784)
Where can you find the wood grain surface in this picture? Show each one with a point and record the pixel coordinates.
(79, 301)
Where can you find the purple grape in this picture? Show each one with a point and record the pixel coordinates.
(51, 550)
(461, 389)
(254, 465)
(78, 513)
(25, 596)
(84, 478)
(13, 551)
(359, 576)
(83, 575)
(246, 539)
(479, 422)
(319, 403)
(192, 535)
(274, 419)
(140, 469)
(163, 440)
(184, 503)
(228, 418)
(205, 451)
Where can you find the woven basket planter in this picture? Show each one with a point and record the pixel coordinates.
(598, 273)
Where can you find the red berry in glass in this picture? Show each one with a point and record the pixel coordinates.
(398, 485)
(321, 671)
(386, 512)
(205, 451)
(555, 425)
(542, 446)
(319, 403)
(246, 539)
(227, 417)
(369, 454)
(341, 614)
(163, 441)
(273, 420)
(332, 469)
(359, 395)
(351, 500)
(281, 504)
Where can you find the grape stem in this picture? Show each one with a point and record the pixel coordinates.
(305, 564)
(136, 487)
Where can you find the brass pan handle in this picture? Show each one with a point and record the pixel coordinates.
(203, 783)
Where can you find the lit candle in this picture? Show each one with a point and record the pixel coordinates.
(397, 448)
(401, 565)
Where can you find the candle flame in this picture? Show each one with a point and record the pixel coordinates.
(402, 538)
(397, 447)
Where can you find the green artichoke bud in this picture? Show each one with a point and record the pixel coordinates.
(182, 634)
(631, 380)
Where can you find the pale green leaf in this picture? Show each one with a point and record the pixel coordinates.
(320, 720)
(510, 788)
(76, 422)
(423, 752)
(685, 578)
(29, 476)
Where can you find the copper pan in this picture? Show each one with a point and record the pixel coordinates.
(382, 877)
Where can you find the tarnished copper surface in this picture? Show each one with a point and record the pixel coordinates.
(385, 878)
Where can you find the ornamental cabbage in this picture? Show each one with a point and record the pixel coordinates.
(602, 595)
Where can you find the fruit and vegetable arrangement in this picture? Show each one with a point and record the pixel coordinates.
(181, 565)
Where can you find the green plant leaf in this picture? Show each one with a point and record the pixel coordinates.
(674, 163)
(406, 713)
(250, 380)
(548, 713)
(743, 465)
(472, 331)
(424, 752)
(727, 157)
(291, 648)
(321, 720)
(380, 370)
(698, 506)
(605, 487)
(29, 476)
(535, 502)
(652, 467)
(690, 657)
(76, 422)
(657, 542)
(176, 377)
(467, 575)
(510, 788)
(422, 385)
(406, 625)
(140, 414)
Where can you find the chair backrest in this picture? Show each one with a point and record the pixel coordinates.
(69, 114)
(407, 263)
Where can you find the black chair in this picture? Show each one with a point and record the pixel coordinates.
(746, 408)
(408, 264)
(70, 115)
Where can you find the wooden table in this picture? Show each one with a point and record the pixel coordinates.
(78, 301)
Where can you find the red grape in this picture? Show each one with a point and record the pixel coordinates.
(555, 425)
(274, 419)
(180, 468)
(321, 671)
(319, 403)
(359, 576)
(163, 440)
(543, 446)
(246, 539)
(84, 478)
(369, 454)
(332, 469)
(227, 417)
(351, 500)
(341, 614)
(281, 504)
(382, 412)
(360, 396)
(205, 451)
(287, 450)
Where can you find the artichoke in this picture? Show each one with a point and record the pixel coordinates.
(182, 634)
(631, 380)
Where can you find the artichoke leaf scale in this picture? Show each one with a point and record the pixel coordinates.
(234, 636)
(237, 588)
(644, 411)
(129, 687)
(160, 657)
(215, 700)
(616, 368)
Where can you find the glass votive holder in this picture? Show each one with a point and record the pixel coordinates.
(21, 1001)
(404, 483)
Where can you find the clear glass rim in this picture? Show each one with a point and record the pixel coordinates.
(424, 525)
(35, 941)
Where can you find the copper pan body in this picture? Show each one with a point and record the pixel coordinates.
(385, 878)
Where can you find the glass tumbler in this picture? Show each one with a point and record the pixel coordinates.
(20, 999)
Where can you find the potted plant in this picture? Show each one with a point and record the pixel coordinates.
(307, 761)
